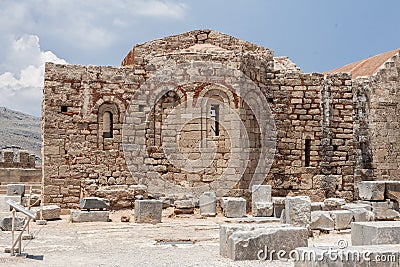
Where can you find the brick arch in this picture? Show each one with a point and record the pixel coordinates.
(111, 100)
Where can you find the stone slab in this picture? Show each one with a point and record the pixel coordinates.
(352, 206)
(79, 216)
(261, 194)
(322, 220)
(263, 209)
(6, 223)
(234, 207)
(392, 190)
(338, 219)
(261, 220)
(316, 206)
(360, 256)
(334, 203)
(384, 210)
(251, 245)
(208, 204)
(298, 211)
(50, 212)
(185, 206)
(4, 207)
(166, 201)
(94, 203)
(342, 219)
(148, 211)
(375, 233)
(372, 190)
(15, 190)
(362, 215)
(226, 230)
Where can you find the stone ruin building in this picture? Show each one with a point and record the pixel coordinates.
(19, 167)
(329, 131)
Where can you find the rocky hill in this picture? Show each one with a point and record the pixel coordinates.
(20, 131)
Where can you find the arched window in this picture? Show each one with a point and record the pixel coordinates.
(107, 124)
(107, 118)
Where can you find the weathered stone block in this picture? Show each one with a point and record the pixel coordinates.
(279, 206)
(371, 190)
(375, 233)
(184, 206)
(384, 211)
(334, 203)
(321, 220)
(166, 201)
(6, 223)
(362, 215)
(4, 207)
(148, 211)
(261, 194)
(316, 206)
(226, 230)
(298, 211)
(208, 204)
(15, 190)
(89, 216)
(234, 207)
(252, 245)
(342, 219)
(393, 190)
(263, 209)
(94, 203)
(352, 206)
(50, 212)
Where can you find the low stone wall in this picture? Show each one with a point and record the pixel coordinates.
(11, 175)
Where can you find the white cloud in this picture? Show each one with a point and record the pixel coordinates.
(81, 31)
(21, 89)
(159, 9)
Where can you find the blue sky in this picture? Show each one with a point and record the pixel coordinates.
(317, 35)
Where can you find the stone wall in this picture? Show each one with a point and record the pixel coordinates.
(22, 159)
(319, 109)
(107, 131)
(377, 123)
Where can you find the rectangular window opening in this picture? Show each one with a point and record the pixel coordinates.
(64, 108)
(307, 150)
(215, 116)
(107, 125)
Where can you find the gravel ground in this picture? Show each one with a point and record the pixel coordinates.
(61, 243)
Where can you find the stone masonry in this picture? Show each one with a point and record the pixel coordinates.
(88, 110)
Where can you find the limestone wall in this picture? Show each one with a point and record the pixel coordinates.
(112, 131)
(22, 159)
(378, 121)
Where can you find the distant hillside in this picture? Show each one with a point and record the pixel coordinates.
(20, 131)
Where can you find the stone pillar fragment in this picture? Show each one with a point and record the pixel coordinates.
(148, 211)
(298, 211)
(208, 204)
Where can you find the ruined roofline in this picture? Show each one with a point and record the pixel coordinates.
(367, 67)
(189, 39)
